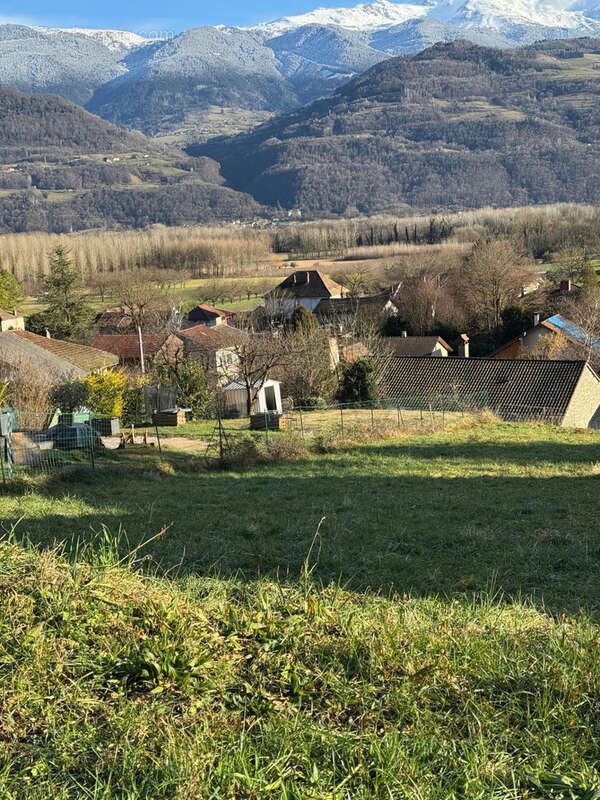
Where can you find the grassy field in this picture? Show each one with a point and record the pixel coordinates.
(412, 618)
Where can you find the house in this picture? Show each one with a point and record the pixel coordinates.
(54, 358)
(207, 315)
(555, 325)
(563, 393)
(268, 399)
(214, 347)
(343, 311)
(11, 321)
(305, 288)
(126, 346)
(417, 346)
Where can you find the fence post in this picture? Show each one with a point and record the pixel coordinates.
(301, 423)
(342, 419)
(372, 419)
(266, 427)
(9, 458)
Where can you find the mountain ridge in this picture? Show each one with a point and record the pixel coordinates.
(456, 126)
(170, 85)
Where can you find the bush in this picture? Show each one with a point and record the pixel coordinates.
(134, 409)
(358, 383)
(286, 447)
(69, 395)
(105, 393)
(242, 452)
(189, 378)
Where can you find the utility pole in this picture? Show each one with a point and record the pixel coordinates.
(141, 344)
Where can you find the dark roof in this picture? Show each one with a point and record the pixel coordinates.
(86, 358)
(215, 338)
(307, 283)
(509, 386)
(350, 305)
(206, 313)
(126, 345)
(414, 345)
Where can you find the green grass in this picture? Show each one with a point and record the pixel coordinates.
(512, 505)
(411, 618)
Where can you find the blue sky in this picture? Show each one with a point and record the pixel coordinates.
(152, 15)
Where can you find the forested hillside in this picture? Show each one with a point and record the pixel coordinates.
(63, 169)
(457, 126)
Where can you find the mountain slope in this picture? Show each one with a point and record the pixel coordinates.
(64, 169)
(455, 126)
(169, 86)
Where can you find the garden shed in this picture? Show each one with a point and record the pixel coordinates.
(268, 399)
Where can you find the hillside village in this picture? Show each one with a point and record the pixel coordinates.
(300, 402)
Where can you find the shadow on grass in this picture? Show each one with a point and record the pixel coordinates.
(386, 531)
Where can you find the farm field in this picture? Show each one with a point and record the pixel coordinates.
(416, 618)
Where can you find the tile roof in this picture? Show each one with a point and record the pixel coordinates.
(414, 345)
(16, 352)
(126, 346)
(511, 387)
(307, 283)
(82, 356)
(216, 338)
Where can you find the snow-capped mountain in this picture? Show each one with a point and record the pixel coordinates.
(365, 17)
(115, 41)
(163, 85)
(496, 14)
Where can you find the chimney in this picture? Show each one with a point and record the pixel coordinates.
(15, 312)
(463, 347)
(404, 334)
(536, 319)
(47, 332)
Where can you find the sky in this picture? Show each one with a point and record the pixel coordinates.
(154, 16)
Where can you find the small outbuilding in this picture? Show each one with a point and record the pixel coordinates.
(268, 399)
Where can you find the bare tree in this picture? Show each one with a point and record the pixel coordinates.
(144, 303)
(257, 356)
(492, 277)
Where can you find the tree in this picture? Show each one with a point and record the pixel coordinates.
(492, 277)
(257, 355)
(67, 314)
(11, 291)
(144, 303)
(357, 383)
(572, 261)
(189, 378)
(589, 278)
(303, 320)
(307, 368)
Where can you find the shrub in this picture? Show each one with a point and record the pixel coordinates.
(242, 452)
(358, 383)
(134, 409)
(69, 395)
(286, 446)
(105, 393)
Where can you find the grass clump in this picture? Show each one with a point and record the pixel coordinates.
(113, 684)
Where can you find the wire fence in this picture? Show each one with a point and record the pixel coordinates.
(34, 444)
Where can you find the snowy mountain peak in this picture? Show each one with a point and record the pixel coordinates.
(365, 17)
(115, 41)
(567, 15)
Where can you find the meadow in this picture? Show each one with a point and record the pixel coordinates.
(416, 617)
